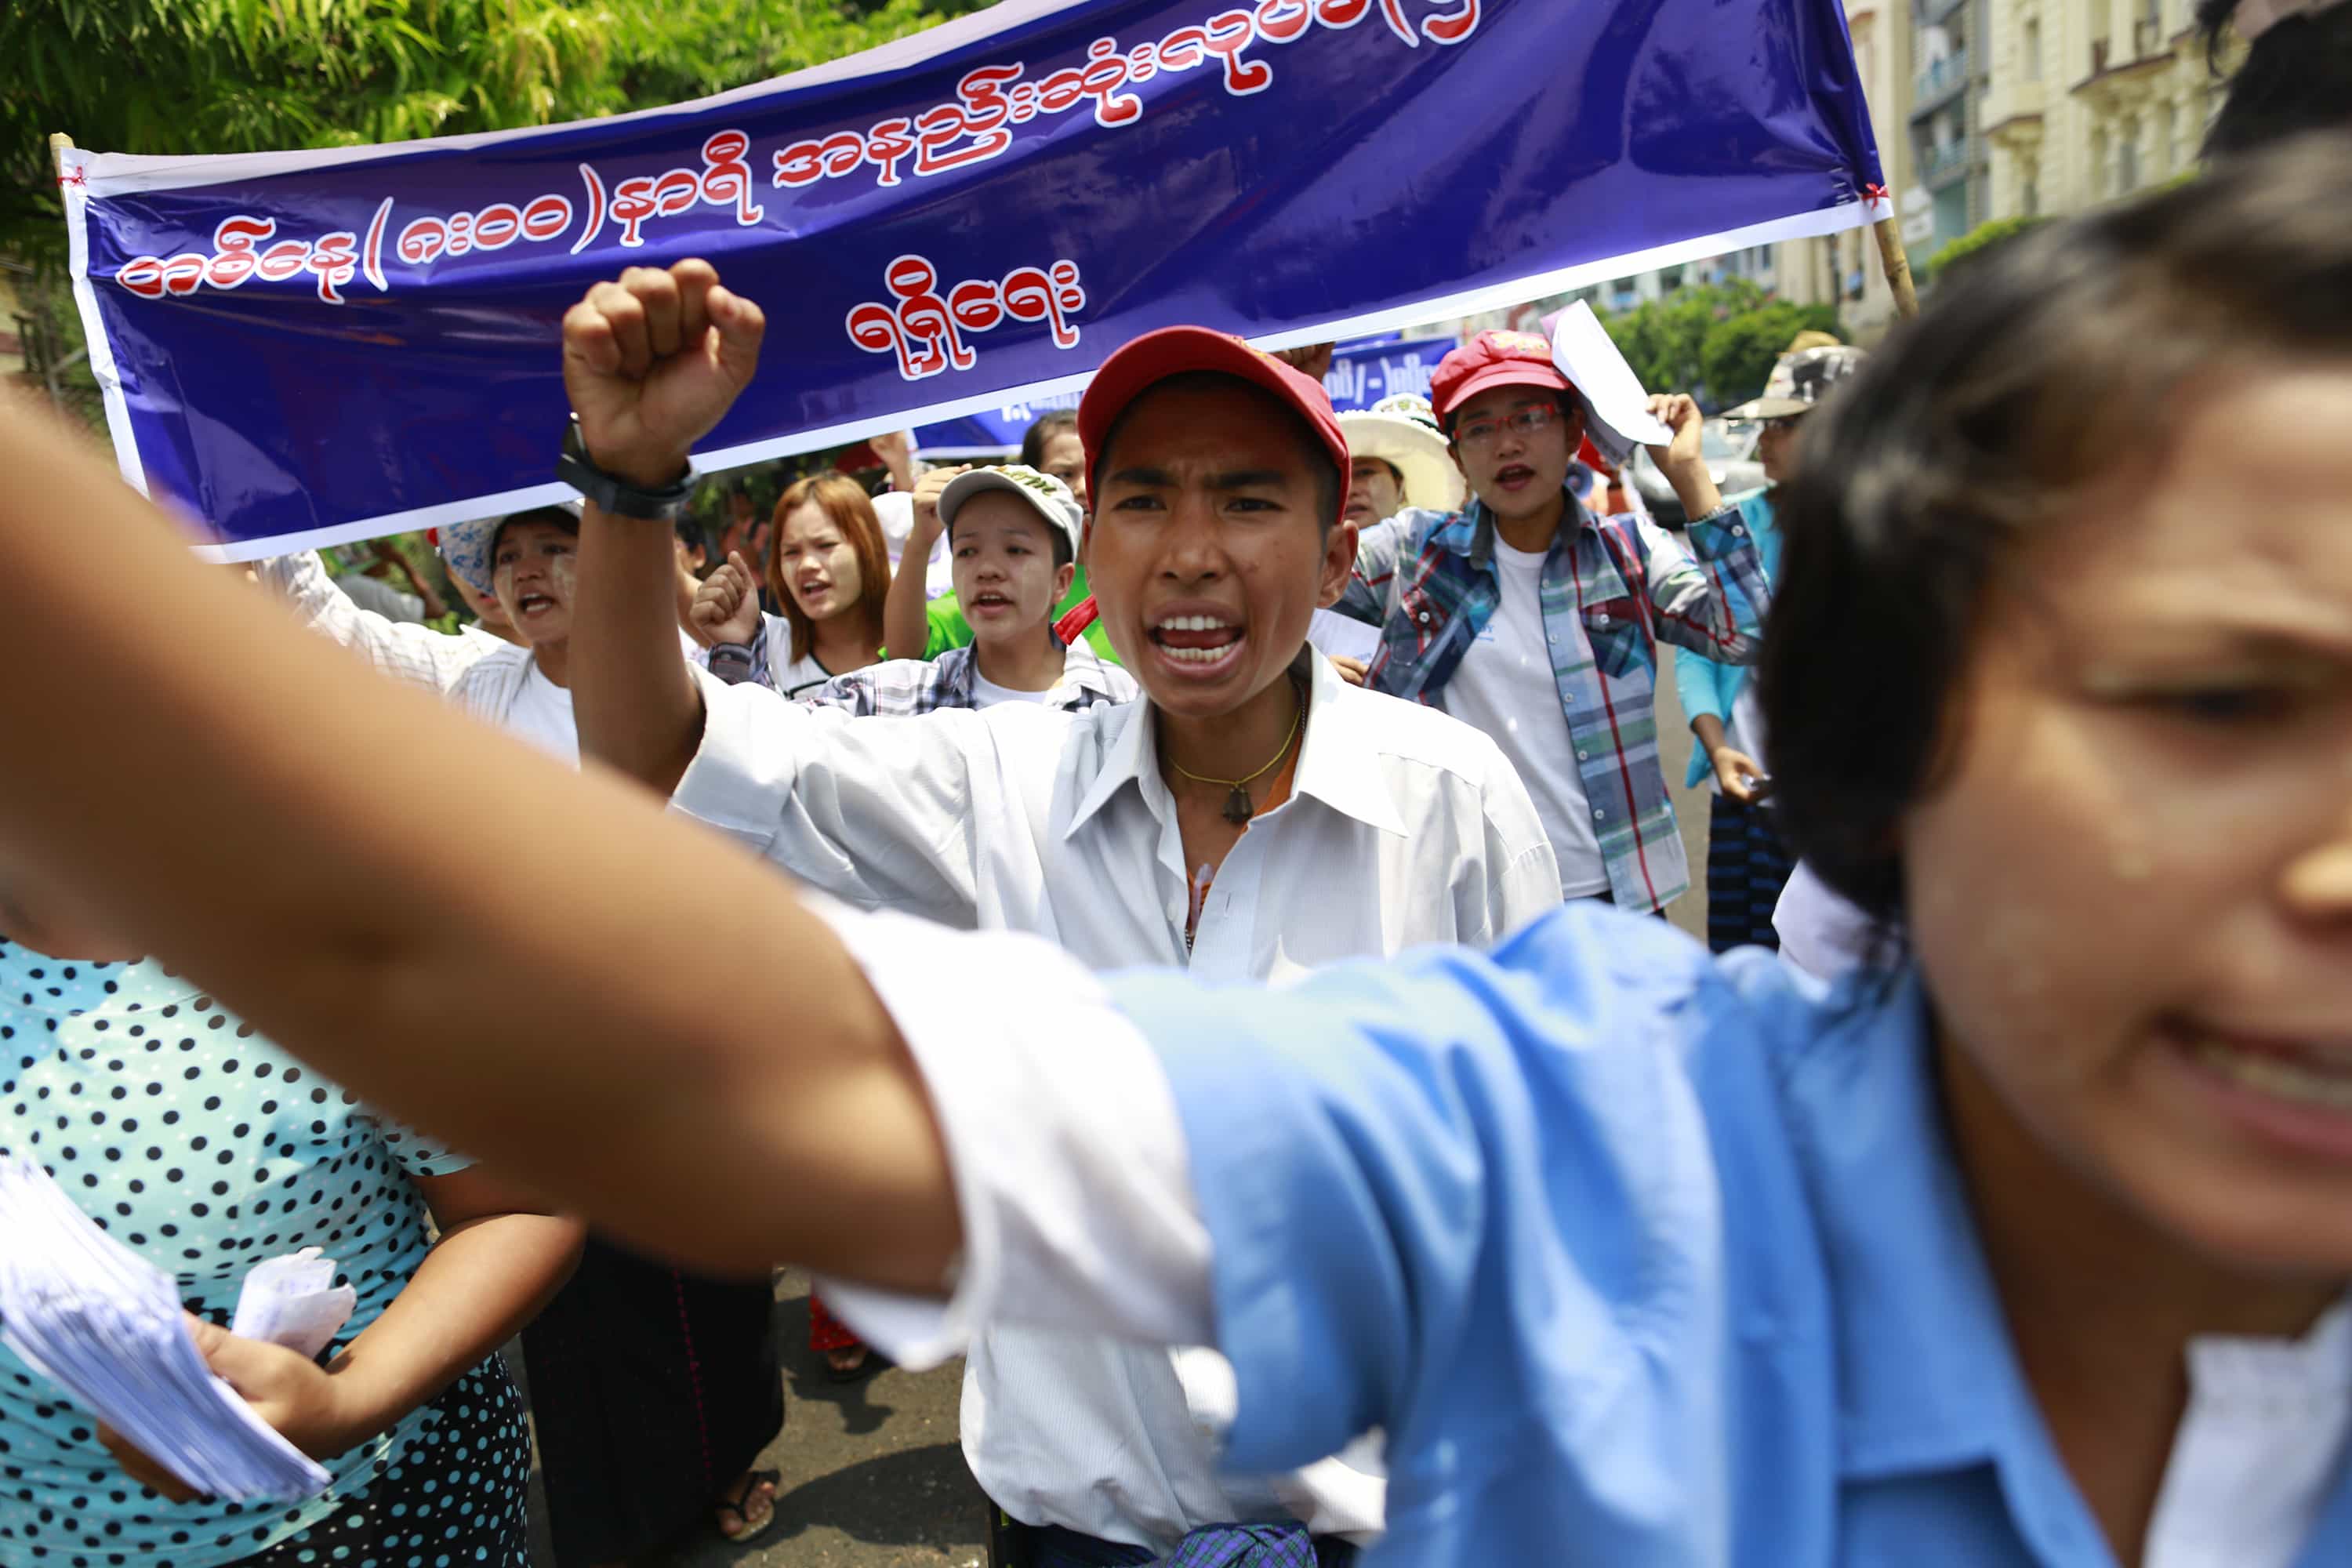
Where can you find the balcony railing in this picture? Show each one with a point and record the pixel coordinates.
(1940, 81)
(1940, 164)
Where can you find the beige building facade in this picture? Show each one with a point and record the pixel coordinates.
(2088, 101)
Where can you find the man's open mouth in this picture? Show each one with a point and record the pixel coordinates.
(1201, 640)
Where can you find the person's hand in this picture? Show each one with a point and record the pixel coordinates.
(727, 607)
(1315, 359)
(1354, 671)
(897, 450)
(926, 531)
(294, 1395)
(1742, 776)
(1679, 412)
(652, 361)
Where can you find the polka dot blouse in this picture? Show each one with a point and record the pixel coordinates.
(207, 1150)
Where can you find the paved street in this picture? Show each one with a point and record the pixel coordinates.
(872, 1474)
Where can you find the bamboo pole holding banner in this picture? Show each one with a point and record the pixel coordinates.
(1896, 264)
(60, 144)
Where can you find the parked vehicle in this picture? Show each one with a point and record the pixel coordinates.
(1730, 451)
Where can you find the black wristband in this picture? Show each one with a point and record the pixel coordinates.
(609, 493)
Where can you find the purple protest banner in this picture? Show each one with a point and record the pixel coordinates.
(304, 348)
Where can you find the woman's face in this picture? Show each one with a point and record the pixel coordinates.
(2133, 898)
(818, 567)
(531, 571)
(1002, 555)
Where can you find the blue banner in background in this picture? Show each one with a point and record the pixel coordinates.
(307, 347)
(1363, 371)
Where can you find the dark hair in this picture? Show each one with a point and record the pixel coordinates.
(1330, 484)
(2065, 345)
(2297, 77)
(554, 516)
(846, 505)
(1042, 429)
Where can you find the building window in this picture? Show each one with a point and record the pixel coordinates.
(2029, 199)
(2167, 136)
(2128, 158)
(2029, 48)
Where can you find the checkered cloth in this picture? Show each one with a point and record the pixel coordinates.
(1613, 587)
(1246, 1546)
(904, 687)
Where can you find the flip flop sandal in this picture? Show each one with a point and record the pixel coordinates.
(752, 1483)
(874, 1362)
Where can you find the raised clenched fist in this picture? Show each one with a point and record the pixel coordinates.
(652, 361)
(727, 607)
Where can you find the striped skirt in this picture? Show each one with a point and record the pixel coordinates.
(1747, 867)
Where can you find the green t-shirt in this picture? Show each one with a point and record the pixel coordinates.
(950, 629)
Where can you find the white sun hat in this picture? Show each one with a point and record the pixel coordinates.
(1417, 452)
(465, 546)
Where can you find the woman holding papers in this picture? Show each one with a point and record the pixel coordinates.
(208, 1151)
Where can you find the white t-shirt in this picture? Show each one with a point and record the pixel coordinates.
(1505, 686)
(542, 714)
(986, 693)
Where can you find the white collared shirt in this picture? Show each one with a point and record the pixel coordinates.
(1404, 828)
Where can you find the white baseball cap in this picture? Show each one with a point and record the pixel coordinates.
(1052, 498)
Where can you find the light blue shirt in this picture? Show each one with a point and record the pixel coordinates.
(1638, 1259)
(1702, 685)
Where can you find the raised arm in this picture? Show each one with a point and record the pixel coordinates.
(650, 363)
(402, 649)
(906, 630)
(1713, 605)
(587, 1051)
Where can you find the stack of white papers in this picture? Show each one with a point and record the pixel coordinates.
(105, 1326)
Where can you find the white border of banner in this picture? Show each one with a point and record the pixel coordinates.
(110, 174)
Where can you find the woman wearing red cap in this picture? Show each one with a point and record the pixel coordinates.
(1525, 605)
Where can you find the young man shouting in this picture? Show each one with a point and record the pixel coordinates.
(1254, 817)
(1537, 622)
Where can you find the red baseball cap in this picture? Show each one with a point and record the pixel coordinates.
(1491, 360)
(1139, 366)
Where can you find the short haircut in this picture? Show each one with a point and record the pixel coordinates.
(848, 507)
(2050, 363)
(1330, 484)
(554, 516)
(2297, 77)
(1042, 429)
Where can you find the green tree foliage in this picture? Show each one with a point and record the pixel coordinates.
(1984, 237)
(237, 76)
(1719, 339)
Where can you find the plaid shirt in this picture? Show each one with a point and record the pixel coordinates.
(905, 688)
(1613, 587)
